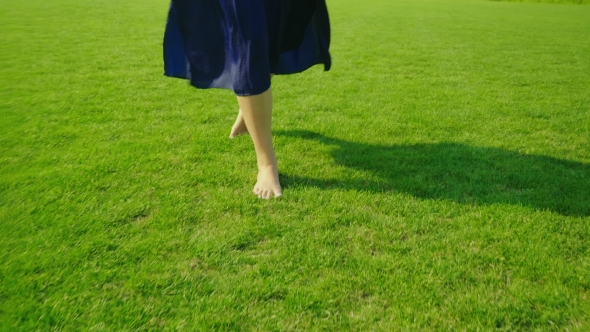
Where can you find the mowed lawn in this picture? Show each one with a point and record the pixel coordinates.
(438, 178)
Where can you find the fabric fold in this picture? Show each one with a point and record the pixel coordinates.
(237, 44)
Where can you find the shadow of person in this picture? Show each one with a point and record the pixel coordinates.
(458, 172)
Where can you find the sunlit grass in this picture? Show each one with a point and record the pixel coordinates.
(438, 178)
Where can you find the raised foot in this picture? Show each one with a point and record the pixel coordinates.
(268, 185)
(239, 127)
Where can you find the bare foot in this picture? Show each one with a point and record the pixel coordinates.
(239, 127)
(268, 184)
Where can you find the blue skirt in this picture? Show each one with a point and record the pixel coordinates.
(238, 44)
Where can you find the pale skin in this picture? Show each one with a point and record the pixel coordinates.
(255, 118)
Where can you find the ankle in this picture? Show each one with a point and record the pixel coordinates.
(267, 161)
(267, 166)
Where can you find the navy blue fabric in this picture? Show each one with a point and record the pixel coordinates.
(237, 44)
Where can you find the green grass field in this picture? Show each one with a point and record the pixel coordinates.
(577, 2)
(438, 178)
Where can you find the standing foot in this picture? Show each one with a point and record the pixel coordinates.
(268, 185)
(239, 127)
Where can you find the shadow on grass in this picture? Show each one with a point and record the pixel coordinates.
(458, 172)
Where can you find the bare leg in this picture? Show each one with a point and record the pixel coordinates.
(239, 127)
(257, 114)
